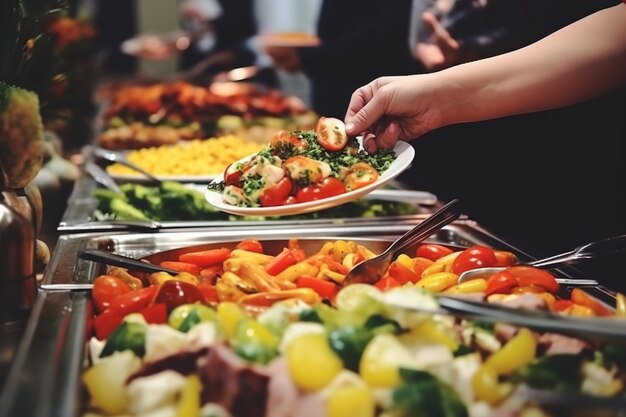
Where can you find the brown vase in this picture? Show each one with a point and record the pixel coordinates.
(18, 285)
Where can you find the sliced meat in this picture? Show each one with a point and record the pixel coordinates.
(233, 383)
(557, 344)
(287, 400)
(183, 362)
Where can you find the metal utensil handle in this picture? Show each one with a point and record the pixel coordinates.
(441, 217)
(101, 177)
(120, 159)
(615, 244)
(109, 258)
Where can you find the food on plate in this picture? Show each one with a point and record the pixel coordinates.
(172, 351)
(194, 158)
(151, 115)
(173, 201)
(302, 166)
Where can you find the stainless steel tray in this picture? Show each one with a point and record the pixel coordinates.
(44, 379)
(79, 215)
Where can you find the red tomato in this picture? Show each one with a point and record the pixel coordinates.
(331, 133)
(325, 289)
(501, 283)
(250, 245)
(173, 293)
(232, 174)
(105, 289)
(276, 194)
(529, 275)
(206, 257)
(134, 301)
(402, 274)
(580, 297)
(106, 322)
(359, 175)
(531, 289)
(387, 283)
(154, 314)
(193, 269)
(474, 257)
(280, 262)
(285, 137)
(329, 187)
(432, 251)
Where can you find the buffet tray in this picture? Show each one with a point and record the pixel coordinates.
(44, 378)
(79, 214)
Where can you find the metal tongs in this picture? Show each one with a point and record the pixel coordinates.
(121, 159)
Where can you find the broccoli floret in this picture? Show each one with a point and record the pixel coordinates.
(125, 211)
(146, 199)
(104, 197)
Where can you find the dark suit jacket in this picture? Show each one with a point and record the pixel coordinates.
(361, 40)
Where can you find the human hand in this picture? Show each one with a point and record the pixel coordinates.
(443, 51)
(285, 58)
(393, 108)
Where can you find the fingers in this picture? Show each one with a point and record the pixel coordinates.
(365, 108)
(442, 37)
(386, 138)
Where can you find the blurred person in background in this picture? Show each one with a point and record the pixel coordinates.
(360, 40)
(554, 182)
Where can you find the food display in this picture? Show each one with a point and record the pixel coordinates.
(203, 159)
(140, 116)
(241, 332)
(302, 166)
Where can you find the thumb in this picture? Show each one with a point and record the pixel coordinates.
(366, 117)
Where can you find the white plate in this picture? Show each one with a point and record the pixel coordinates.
(278, 40)
(404, 157)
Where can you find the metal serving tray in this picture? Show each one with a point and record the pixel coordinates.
(44, 377)
(78, 216)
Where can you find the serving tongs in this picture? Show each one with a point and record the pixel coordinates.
(108, 258)
(612, 245)
(120, 158)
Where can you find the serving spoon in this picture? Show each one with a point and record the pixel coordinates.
(615, 244)
(370, 271)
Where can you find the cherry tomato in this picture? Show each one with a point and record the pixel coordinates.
(432, 251)
(529, 275)
(329, 187)
(250, 245)
(501, 283)
(474, 257)
(233, 173)
(105, 289)
(560, 305)
(154, 314)
(286, 137)
(331, 133)
(206, 257)
(325, 289)
(173, 293)
(359, 175)
(133, 301)
(276, 194)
